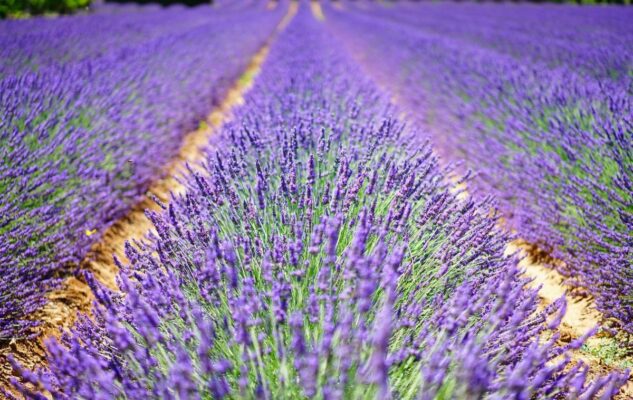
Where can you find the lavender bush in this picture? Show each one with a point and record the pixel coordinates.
(83, 135)
(318, 254)
(542, 111)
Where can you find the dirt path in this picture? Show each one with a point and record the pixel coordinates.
(338, 4)
(317, 11)
(581, 314)
(75, 296)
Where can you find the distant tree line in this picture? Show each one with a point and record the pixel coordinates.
(25, 8)
(22, 8)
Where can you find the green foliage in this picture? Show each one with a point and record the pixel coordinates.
(609, 351)
(24, 8)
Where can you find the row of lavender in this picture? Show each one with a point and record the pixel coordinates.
(597, 41)
(37, 44)
(542, 112)
(76, 128)
(319, 254)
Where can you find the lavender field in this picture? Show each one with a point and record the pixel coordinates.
(302, 199)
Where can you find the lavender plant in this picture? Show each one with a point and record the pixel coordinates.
(547, 127)
(83, 135)
(318, 254)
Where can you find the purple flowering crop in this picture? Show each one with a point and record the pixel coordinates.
(92, 107)
(320, 253)
(537, 100)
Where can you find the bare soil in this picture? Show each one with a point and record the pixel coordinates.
(317, 11)
(581, 314)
